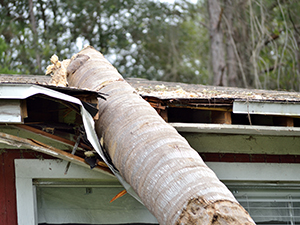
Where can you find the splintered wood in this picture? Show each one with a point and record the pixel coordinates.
(222, 117)
(58, 71)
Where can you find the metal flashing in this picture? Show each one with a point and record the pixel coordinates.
(266, 108)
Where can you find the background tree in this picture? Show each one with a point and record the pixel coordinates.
(261, 43)
(255, 43)
(216, 43)
(146, 39)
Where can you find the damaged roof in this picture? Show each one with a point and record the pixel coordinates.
(174, 90)
(32, 114)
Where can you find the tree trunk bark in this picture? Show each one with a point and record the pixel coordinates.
(169, 176)
(216, 43)
(35, 36)
(231, 59)
(297, 55)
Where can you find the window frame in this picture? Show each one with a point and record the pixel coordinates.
(28, 169)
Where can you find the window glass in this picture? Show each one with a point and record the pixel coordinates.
(275, 204)
(89, 205)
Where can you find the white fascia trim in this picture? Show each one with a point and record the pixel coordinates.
(266, 108)
(236, 129)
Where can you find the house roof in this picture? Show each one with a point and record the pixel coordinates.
(174, 90)
(162, 95)
(14, 112)
(166, 97)
(43, 81)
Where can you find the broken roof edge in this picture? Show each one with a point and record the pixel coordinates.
(23, 91)
(35, 145)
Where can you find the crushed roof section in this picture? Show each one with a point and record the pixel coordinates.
(19, 90)
(172, 90)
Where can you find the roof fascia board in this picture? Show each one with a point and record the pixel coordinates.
(41, 136)
(236, 129)
(266, 108)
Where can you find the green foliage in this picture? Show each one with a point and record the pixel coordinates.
(154, 40)
(141, 38)
(4, 60)
(266, 36)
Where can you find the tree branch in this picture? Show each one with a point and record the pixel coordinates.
(220, 18)
(291, 19)
(273, 37)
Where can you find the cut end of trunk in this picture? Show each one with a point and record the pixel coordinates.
(220, 212)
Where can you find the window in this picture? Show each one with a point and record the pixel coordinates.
(270, 203)
(45, 195)
(270, 192)
(76, 204)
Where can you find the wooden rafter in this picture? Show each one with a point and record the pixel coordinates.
(52, 136)
(49, 150)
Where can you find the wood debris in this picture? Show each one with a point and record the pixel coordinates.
(58, 71)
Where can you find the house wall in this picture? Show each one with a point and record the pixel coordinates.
(80, 196)
(8, 211)
(8, 208)
(243, 144)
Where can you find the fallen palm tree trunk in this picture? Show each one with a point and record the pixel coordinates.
(169, 176)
